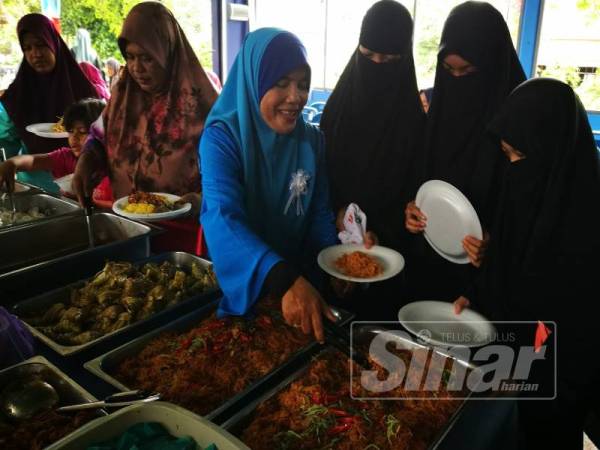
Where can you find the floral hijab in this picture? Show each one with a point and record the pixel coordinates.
(152, 140)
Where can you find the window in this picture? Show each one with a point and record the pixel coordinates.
(330, 30)
(569, 47)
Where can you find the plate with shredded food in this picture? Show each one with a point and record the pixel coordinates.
(151, 206)
(48, 130)
(353, 262)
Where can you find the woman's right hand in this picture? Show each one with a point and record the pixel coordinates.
(303, 306)
(8, 169)
(415, 220)
(86, 176)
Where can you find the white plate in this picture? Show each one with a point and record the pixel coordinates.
(390, 260)
(118, 208)
(45, 130)
(65, 183)
(435, 323)
(450, 217)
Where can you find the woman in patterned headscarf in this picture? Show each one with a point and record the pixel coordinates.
(149, 132)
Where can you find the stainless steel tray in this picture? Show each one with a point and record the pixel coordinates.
(236, 423)
(54, 253)
(52, 206)
(102, 365)
(68, 391)
(179, 259)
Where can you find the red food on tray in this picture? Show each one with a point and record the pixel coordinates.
(316, 411)
(209, 364)
(41, 430)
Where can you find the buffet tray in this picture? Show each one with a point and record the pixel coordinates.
(46, 255)
(237, 422)
(102, 365)
(56, 207)
(178, 422)
(69, 392)
(180, 260)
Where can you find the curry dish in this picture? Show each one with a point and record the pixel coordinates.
(202, 368)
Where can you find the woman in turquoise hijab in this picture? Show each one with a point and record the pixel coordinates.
(265, 209)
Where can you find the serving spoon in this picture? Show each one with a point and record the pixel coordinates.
(22, 400)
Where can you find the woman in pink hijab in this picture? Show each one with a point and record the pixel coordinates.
(93, 74)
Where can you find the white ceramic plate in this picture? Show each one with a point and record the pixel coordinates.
(450, 217)
(65, 183)
(390, 260)
(120, 204)
(435, 323)
(45, 130)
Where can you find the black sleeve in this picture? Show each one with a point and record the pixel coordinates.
(280, 278)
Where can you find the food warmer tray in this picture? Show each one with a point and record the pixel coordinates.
(363, 334)
(178, 422)
(103, 364)
(181, 260)
(56, 207)
(46, 255)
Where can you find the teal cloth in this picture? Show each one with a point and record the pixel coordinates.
(149, 436)
(12, 144)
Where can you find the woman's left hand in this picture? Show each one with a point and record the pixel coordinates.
(195, 199)
(476, 248)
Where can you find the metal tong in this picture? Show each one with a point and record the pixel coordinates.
(88, 206)
(10, 194)
(115, 401)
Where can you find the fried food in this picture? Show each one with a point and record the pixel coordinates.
(358, 264)
(59, 126)
(119, 295)
(202, 368)
(317, 411)
(148, 203)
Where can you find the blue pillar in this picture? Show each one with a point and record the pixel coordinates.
(529, 34)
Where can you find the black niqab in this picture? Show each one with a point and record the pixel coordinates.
(374, 123)
(458, 150)
(548, 215)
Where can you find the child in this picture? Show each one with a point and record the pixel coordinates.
(77, 121)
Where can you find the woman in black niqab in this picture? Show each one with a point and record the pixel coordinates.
(374, 125)
(542, 261)
(457, 148)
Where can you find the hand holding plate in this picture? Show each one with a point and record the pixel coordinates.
(476, 248)
(415, 221)
(460, 304)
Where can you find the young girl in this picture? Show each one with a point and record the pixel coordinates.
(77, 121)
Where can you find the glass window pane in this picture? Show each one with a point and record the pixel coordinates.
(569, 47)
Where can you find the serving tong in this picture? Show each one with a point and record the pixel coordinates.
(10, 194)
(115, 401)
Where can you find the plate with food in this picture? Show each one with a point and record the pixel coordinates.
(48, 130)
(354, 262)
(151, 206)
